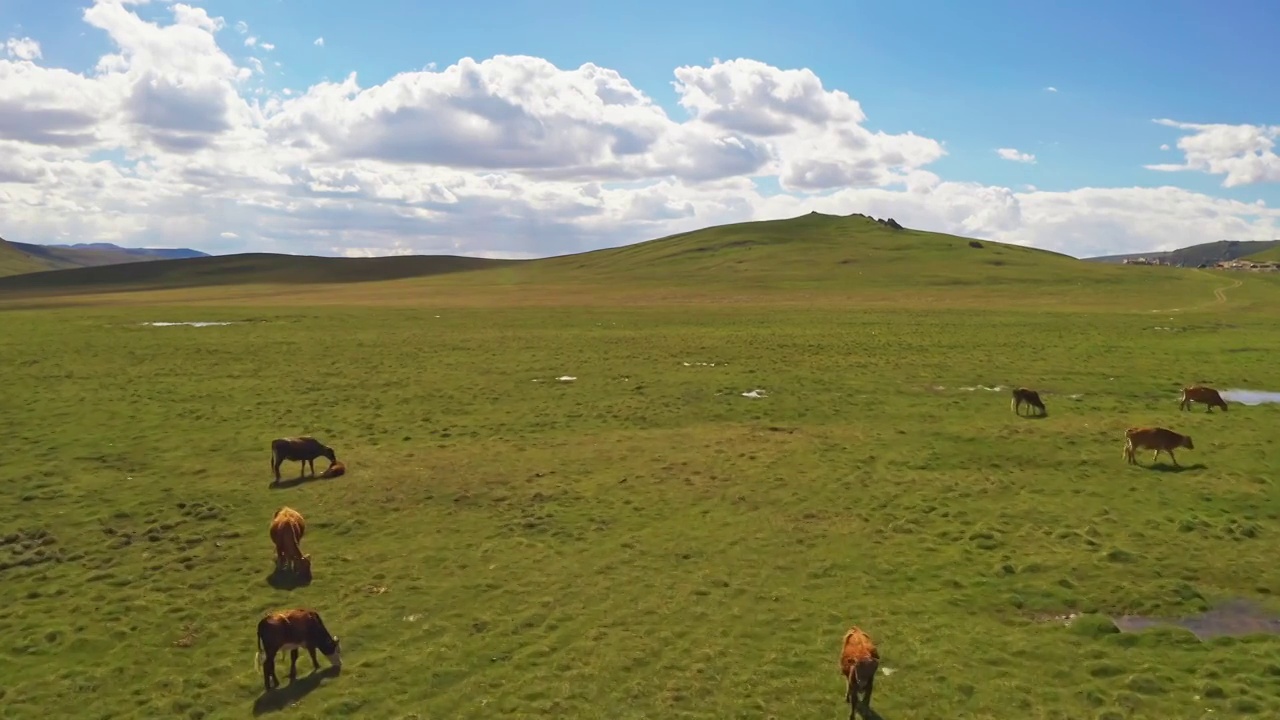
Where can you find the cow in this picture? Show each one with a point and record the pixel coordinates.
(334, 470)
(290, 630)
(1154, 439)
(1201, 394)
(1030, 397)
(304, 449)
(859, 661)
(287, 529)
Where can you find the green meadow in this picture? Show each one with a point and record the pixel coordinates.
(643, 540)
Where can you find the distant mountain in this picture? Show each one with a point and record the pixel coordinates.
(165, 253)
(1194, 255)
(18, 258)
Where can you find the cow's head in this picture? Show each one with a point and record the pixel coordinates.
(329, 453)
(1186, 442)
(335, 656)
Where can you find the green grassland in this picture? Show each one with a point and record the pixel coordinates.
(644, 541)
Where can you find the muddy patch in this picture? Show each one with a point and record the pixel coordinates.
(1250, 397)
(1232, 618)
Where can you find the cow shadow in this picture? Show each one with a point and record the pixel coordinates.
(1034, 416)
(285, 580)
(287, 483)
(1167, 468)
(870, 713)
(288, 693)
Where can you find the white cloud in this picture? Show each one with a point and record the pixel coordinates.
(1165, 146)
(1243, 154)
(242, 27)
(251, 41)
(267, 46)
(318, 42)
(23, 49)
(1051, 89)
(168, 141)
(1013, 155)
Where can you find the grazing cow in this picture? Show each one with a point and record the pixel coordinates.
(1030, 397)
(290, 630)
(859, 661)
(287, 529)
(334, 470)
(304, 449)
(1154, 439)
(1201, 394)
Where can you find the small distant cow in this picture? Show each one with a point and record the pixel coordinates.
(859, 661)
(1157, 439)
(290, 630)
(1030, 397)
(334, 470)
(304, 449)
(1202, 394)
(287, 529)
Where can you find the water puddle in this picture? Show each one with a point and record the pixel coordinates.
(1250, 397)
(1234, 617)
(192, 324)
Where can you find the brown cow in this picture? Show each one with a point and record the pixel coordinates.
(1201, 394)
(304, 449)
(290, 630)
(859, 661)
(334, 470)
(1030, 397)
(1154, 439)
(287, 529)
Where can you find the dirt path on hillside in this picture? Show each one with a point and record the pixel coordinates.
(1219, 295)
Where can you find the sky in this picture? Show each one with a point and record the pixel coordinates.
(521, 129)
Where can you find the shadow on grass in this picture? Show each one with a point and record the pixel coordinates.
(285, 580)
(1034, 416)
(277, 699)
(869, 713)
(295, 481)
(1166, 468)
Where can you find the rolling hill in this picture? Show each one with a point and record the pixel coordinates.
(807, 256)
(19, 257)
(1194, 255)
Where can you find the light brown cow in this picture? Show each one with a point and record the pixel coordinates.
(859, 661)
(1030, 397)
(1157, 439)
(290, 630)
(304, 449)
(335, 469)
(287, 529)
(1201, 394)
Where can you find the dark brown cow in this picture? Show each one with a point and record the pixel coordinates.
(290, 630)
(1201, 394)
(1157, 439)
(304, 449)
(1030, 397)
(859, 661)
(287, 529)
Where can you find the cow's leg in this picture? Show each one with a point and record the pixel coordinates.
(866, 697)
(1174, 459)
(269, 679)
(315, 664)
(293, 664)
(851, 693)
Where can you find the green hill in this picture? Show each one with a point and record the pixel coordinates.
(243, 269)
(18, 257)
(812, 253)
(1195, 255)
(1271, 254)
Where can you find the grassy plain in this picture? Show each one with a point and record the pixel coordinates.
(644, 541)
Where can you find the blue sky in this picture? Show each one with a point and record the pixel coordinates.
(972, 75)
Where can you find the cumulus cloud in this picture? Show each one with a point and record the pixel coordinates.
(1013, 155)
(168, 140)
(1051, 89)
(1242, 154)
(318, 42)
(23, 49)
